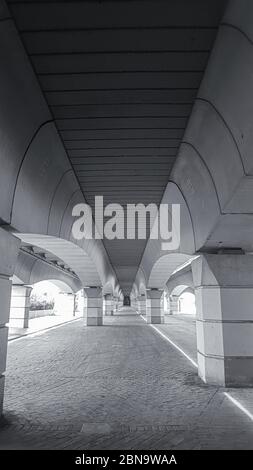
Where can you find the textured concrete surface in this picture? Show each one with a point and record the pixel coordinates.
(119, 386)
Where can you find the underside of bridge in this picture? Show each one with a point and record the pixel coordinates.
(111, 108)
(120, 81)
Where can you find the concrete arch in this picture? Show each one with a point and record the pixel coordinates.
(142, 289)
(62, 286)
(135, 293)
(183, 300)
(154, 256)
(30, 270)
(140, 284)
(73, 255)
(181, 289)
(183, 278)
(164, 267)
(109, 288)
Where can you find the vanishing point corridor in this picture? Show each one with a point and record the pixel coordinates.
(120, 386)
(126, 229)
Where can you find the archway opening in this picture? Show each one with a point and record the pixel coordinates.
(187, 303)
(45, 304)
(165, 303)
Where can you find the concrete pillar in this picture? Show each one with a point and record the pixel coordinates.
(138, 305)
(174, 304)
(74, 304)
(20, 306)
(109, 305)
(9, 247)
(166, 304)
(155, 313)
(134, 304)
(115, 304)
(143, 305)
(93, 312)
(224, 299)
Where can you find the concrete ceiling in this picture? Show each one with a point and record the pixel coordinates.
(120, 79)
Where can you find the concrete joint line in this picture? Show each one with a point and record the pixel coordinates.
(218, 286)
(223, 321)
(218, 357)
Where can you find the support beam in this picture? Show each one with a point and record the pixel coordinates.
(20, 306)
(93, 313)
(155, 313)
(224, 299)
(9, 246)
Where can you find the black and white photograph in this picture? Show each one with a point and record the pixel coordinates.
(126, 232)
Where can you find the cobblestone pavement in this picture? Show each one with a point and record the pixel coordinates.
(120, 386)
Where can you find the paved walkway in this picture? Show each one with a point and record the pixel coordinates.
(41, 323)
(120, 386)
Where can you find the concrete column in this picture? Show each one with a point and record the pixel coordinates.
(9, 247)
(115, 305)
(166, 304)
(143, 305)
(155, 313)
(20, 306)
(93, 312)
(174, 304)
(109, 305)
(134, 304)
(74, 304)
(224, 299)
(138, 305)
